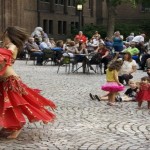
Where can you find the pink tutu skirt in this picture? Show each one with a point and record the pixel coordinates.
(112, 87)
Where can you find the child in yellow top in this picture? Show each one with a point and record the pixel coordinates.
(113, 86)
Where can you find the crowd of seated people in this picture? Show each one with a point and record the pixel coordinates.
(104, 49)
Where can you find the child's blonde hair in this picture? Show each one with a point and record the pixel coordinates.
(132, 81)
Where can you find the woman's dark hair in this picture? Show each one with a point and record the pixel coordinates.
(145, 78)
(115, 65)
(59, 43)
(129, 56)
(17, 36)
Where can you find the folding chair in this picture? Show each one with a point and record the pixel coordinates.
(48, 56)
(29, 57)
(65, 61)
(98, 64)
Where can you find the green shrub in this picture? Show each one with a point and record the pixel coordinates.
(124, 28)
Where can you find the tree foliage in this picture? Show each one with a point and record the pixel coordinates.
(134, 3)
(112, 5)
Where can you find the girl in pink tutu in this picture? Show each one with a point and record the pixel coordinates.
(113, 86)
(144, 92)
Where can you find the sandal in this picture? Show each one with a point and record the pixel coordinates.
(97, 97)
(91, 96)
(111, 104)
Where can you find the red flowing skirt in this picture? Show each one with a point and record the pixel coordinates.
(17, 100)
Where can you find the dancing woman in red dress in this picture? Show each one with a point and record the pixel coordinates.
(144, 92)
(16, 98)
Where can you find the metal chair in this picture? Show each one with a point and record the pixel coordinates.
(98, 65)
(29, 57)
(48, 56)
(65, 61)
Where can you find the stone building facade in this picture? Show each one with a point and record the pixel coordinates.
(58, 16)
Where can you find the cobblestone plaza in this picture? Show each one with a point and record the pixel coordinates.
(81, 123)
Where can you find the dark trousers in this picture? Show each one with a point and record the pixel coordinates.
(125, 77)
(39, 56)
(143, 60)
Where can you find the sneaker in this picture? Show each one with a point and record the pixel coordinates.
(118, 98)
(91, 96)
(97, 97)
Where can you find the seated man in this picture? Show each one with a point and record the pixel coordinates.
(34, 50)
(45, 44)
(80, 37)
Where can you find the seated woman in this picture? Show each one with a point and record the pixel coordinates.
(81, 50)
(102, 54)
(69, 51)
(82, 55)
(133, 51)
(129, 66)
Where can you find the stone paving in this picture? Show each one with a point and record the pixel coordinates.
(82, 123)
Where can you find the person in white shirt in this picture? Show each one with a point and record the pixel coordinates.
(128, 68)
(130, 37)
(139, 40)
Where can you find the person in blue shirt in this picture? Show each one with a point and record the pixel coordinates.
(117, 42)
(58, 51)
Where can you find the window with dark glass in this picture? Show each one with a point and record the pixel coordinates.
(71, 2)
(50, 26)
(72, 26)
(76, 25)
(59, 27)
(45, 25)
(145, 6)
(47, 1)
(64, 27)
(61, 2)
(90, 4)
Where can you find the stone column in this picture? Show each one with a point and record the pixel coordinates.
(11, 13)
